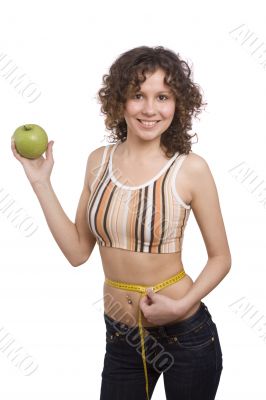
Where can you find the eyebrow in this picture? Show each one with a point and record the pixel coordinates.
(161, 91)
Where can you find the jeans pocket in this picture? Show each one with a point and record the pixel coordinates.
(195, 339)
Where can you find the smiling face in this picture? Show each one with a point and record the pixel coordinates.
(150, 111)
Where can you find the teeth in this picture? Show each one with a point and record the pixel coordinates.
(148, 123)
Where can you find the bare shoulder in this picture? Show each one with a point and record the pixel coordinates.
(94, 163)
(200, 178)
(195, 164)
(196, 169)
(194, 177)
(97, 153)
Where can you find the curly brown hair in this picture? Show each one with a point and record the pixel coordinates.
(125, 76)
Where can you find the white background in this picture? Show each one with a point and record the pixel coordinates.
(47, 306)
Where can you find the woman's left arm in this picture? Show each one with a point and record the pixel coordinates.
(206, 209)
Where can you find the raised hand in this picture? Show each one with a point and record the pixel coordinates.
(38, 170)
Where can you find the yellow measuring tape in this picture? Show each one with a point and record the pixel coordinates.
(142, 290)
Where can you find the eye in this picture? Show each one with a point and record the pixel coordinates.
(162, 95)
(136, 96)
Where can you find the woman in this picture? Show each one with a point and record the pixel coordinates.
(135, 203)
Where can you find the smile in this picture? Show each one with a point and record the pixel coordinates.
(147, 124)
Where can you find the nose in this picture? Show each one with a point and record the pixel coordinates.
(149, 108)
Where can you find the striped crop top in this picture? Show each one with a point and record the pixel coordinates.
(149, 218)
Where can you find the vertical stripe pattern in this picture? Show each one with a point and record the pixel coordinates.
(150, 218)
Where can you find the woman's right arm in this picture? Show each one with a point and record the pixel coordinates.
(71, 239)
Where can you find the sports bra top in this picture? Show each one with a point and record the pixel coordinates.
(149, 218)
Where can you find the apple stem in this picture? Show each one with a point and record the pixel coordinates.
(26, 128)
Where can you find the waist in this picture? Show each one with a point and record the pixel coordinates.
(139, 268)
(142, 288)
(199, 315)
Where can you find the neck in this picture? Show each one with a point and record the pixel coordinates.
(141, 150)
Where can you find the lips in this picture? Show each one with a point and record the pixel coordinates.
(148, 123)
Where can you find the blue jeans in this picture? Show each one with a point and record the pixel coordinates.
(188, 353)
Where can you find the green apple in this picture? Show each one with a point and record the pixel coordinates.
(31, 140)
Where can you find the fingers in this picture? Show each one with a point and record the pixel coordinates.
(150, 292)
(49, 151)
(14, 150)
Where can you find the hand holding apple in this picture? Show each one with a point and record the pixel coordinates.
(31, 140)
(37, 168)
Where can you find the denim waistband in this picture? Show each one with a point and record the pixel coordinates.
(200, 316)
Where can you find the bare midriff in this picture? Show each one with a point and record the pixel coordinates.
(141, 269)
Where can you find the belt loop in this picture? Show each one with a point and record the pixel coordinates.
(207, 311)
(162, 331)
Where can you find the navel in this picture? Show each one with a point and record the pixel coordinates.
(129, 300)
